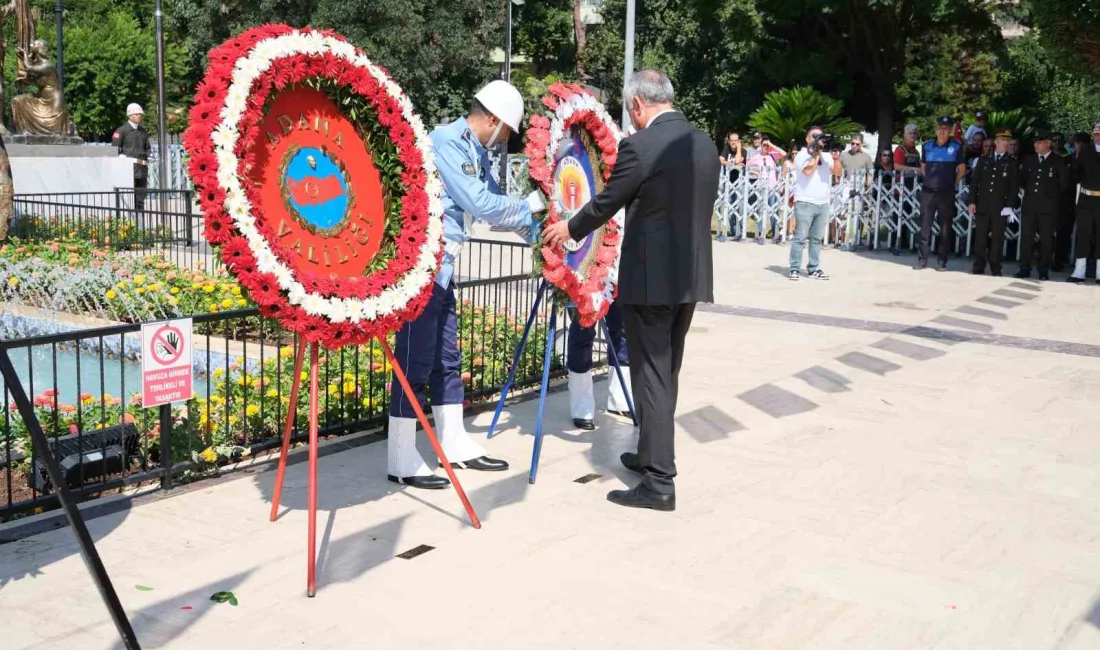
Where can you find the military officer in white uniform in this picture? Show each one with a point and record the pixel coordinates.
(427, 348)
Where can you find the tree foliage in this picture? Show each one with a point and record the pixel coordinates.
(1067, 102)
(788, 113)
(439, 50)
(947, 76)
(706, 46)
(876, 40)
(110, 61)
(1070, 29)
(543, 33)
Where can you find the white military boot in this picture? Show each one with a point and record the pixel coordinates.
(404, 464)
(458, 445)
(582, 401)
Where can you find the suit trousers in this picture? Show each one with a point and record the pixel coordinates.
(1044, 223)
(989, 240)
(655, 336)
(938, 205)
(1088, 226)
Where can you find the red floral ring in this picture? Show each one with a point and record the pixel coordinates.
(589, 275)
(290, 192)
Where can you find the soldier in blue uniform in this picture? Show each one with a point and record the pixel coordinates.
(582, 401)
(427, 348)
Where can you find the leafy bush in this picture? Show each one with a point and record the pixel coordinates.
(789, 112)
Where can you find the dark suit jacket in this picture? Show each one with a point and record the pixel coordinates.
(667, 177)
(994, 185)
(1044, 184)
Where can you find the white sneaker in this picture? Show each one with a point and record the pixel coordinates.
(794, 275)
(818, 274)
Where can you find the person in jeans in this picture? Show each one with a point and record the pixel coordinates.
(814, 173)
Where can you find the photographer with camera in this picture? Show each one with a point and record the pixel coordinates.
(943, 165)
(813, 180)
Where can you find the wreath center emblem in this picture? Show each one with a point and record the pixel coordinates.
(322, 192)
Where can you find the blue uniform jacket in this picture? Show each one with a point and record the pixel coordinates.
(469, 192)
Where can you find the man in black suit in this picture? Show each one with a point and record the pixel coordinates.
(667, 177)
(1044, 177)
(994, 196)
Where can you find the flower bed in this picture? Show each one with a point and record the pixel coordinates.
(95, 228)
(77, 277)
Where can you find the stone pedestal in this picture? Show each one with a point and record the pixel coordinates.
(33, 139)
(52, 164)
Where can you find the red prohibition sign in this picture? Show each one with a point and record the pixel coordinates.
(167, 345)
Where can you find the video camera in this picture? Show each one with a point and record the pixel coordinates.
(823, 142)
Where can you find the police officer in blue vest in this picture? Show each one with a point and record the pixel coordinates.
(427, 348)
(582, 400)
(943, 165)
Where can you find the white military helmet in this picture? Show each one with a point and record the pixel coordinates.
(134, 109)
(503, 100)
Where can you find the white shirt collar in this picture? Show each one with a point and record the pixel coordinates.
(667, 110)
(133, 124)
(1043, 157)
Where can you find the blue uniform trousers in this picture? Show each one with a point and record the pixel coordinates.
(579, 354)
(427, 349)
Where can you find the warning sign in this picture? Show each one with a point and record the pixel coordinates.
(166, 363)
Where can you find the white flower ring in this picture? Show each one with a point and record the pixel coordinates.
(592, 288)
(348, 318)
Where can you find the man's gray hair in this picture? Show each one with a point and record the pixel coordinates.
(650, 86)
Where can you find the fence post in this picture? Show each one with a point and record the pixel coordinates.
(189, 219)
(166, 445)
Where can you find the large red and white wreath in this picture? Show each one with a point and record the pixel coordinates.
(246, 75)
(593, 287)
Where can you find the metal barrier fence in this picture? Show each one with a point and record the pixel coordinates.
(84, 386)
(873, 210)
(162, 222)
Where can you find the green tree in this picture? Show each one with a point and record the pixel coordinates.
(110, 61)
(947, 76)
(707, 47)
(1034, 79)
(788, 113)
(1070, 29)
(439, 51)
(873, 41)
(543, 31)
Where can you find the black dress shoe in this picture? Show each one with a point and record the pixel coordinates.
(1074, 280)
(977, 271)
(996, 274)
(631, 462)
(422, 482)
(584, 424)
(1044, 276)
(642, 497)
(482, 464)
(1023, 274)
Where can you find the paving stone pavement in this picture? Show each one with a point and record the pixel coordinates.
(888, 460)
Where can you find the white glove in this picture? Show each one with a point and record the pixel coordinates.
(1011, 214)
(535, 202)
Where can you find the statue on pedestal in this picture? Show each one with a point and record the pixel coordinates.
(44, 112)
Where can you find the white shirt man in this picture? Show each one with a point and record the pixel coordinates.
(814, 171)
